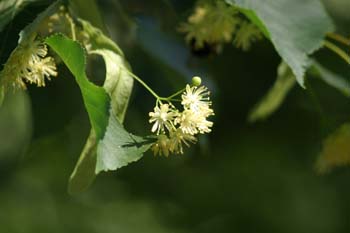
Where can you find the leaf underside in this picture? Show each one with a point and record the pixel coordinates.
(336, 150)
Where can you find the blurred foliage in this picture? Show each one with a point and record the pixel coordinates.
(211, 23)
(336, 150)
(10, 8)
(241, 178)
(275, 96)
(15, 125)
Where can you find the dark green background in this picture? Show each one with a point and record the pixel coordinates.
(242, 177)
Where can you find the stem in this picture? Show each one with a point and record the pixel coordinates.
(145, 85)
(176, 94)
(337, 50)
(339, 38)
(159, 98)
(72, 28)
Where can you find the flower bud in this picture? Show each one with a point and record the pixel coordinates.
(196, 81)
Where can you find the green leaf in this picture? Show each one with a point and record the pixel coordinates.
(336, 150)
(119, 148)
(97, 104)
(118, 82)
(118, 85)
(115, 147)
(275, 96)
(296, 28)
(98, 40)
(95, 98)
(332, 79)
(83, 174)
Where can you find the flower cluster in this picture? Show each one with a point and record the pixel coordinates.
(246, 35)
(60, 21)
(175, 128)
(216, 23)
(210, 23)
(28, 62)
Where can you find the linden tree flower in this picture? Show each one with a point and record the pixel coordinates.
(28, 63)
(175, 128)
(212, 23)
(188, 122)
(161, 146)
(193, 122)
(203, 125)
(197, 108)
(43, 68)
(247, 35)
(177, 137)
(162, 117)
(34, 50)
(195, 98)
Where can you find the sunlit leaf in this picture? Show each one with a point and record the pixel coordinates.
(296, 28)
(336, 150)
(118, 82)
(95, 98)
(275, 96)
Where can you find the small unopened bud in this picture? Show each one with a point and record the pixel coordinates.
(196, 81)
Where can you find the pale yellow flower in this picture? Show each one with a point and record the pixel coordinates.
(188, 122)
(27, 63)
(194, 96)
(197, 108)
(174, 128)
(162, 118)
(197, 99)
(43, 68)
(211, 23)
(34, 50)
(203, 125)
(192, 122)
(161, 146)
(177, 137)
